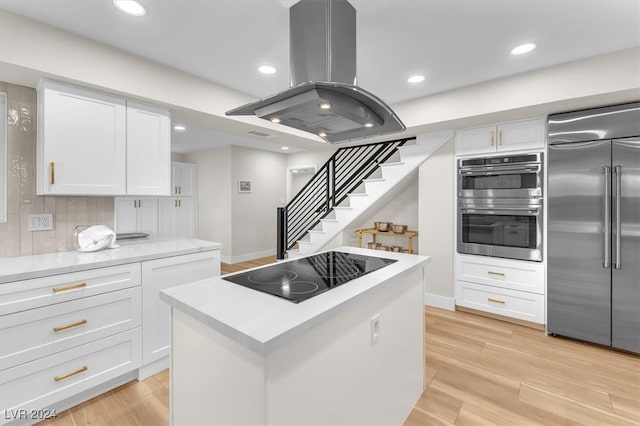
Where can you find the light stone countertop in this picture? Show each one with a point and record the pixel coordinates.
(42, 265)
(263, 322)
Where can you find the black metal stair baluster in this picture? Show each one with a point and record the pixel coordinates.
(330, 186)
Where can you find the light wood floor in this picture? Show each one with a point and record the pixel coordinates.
(479, 371)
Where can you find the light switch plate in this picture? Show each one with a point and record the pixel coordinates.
(40, 222)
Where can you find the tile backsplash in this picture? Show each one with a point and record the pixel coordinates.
(68, 212)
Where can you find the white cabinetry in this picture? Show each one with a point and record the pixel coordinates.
(156, 318)
(184, 177)
(512, 288)
(148, 150)
(516, 136)
(81, 147)
(176, 217)
(65, 334)
(137, 214)
(94, 143)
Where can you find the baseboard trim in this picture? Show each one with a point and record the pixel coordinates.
(248, 256)
(437, 301)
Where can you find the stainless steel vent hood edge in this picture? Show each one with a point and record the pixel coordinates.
(323, 74)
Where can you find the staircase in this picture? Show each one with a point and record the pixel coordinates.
(352, 182)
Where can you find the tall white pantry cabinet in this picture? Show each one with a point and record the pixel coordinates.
(95, 143)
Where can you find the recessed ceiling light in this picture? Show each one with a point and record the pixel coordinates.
(523, 48)
(325, 105)
(179, 128)
(284, 148)
(368, 124)
(416, 79)
(322, 134)
(267, 69)
(130, 7)
(275, 120)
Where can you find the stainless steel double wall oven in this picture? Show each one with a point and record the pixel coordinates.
(500, 206)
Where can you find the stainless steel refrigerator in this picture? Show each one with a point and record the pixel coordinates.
(593, 243)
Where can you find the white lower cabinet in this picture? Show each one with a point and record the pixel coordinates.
(40, 383)
(68, 337)
(156, 315)
(512, 288)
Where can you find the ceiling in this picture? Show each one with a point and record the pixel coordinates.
(455, 43)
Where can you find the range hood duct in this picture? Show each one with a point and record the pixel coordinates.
(323, 98)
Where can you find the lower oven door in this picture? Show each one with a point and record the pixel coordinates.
(511, 230)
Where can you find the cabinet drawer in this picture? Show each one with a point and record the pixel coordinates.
(37, 333)
(29, 294)
(510, 303)
(40, 383)
(504, 273)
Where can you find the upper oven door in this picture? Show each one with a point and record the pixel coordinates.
(500, 181)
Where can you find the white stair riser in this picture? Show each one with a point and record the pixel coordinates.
(358, 201)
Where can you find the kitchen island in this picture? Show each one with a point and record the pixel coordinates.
(350, 355)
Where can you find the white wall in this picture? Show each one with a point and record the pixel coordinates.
(317, 158)
(254, 214)
(214, 196)
(436, 222)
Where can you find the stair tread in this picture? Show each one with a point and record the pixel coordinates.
(395, 163)
(328, 220)
(358, 194)
(342, 208)
(374, 180)
(315, 231)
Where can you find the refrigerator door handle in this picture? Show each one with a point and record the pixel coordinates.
(607, 219)
(616, 217)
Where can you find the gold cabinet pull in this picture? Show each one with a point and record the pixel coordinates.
(179, 203)
(69, 287)
(500, 274)
(53, 173)
(73, 373)
(179, 190)
(500, 137)
(495, 300)
(492, 138)
(73, 324)
(175, 189)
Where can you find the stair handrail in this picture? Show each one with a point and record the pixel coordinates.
(340, 175)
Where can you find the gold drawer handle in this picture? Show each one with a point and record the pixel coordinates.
(500, 274)
(69, 287)
(500, 137)
(73, 324)
(492, 138)
(495, 300)
(73, 373)
(53, 173)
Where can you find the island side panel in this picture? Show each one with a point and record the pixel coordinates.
(214, 380)
(334, 375)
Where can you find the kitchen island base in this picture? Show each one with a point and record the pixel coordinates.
(346, 370)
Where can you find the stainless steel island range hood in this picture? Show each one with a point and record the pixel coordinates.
(323, 98)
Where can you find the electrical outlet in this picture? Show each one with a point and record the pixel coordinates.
(375, 329)
(40, 222)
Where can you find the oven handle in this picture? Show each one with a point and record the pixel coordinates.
(486, 171)
(534, 211)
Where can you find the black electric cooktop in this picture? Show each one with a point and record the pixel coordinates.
(306, 277)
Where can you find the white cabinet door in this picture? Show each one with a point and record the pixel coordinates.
(479, 140)
(522, 135)
(167, 212)
(137, 214)
(184, 179)
(148, 150)
(81, 141)
(176, 217)
(164, 273)
(186, 218)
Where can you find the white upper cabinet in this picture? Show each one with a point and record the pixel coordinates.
(184, 177)
(517, 136)
(93, 143)
(81, 147)
(136, 214)
(148, 150)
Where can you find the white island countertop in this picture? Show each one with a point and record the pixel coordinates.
(263, 322)
(36, 266)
